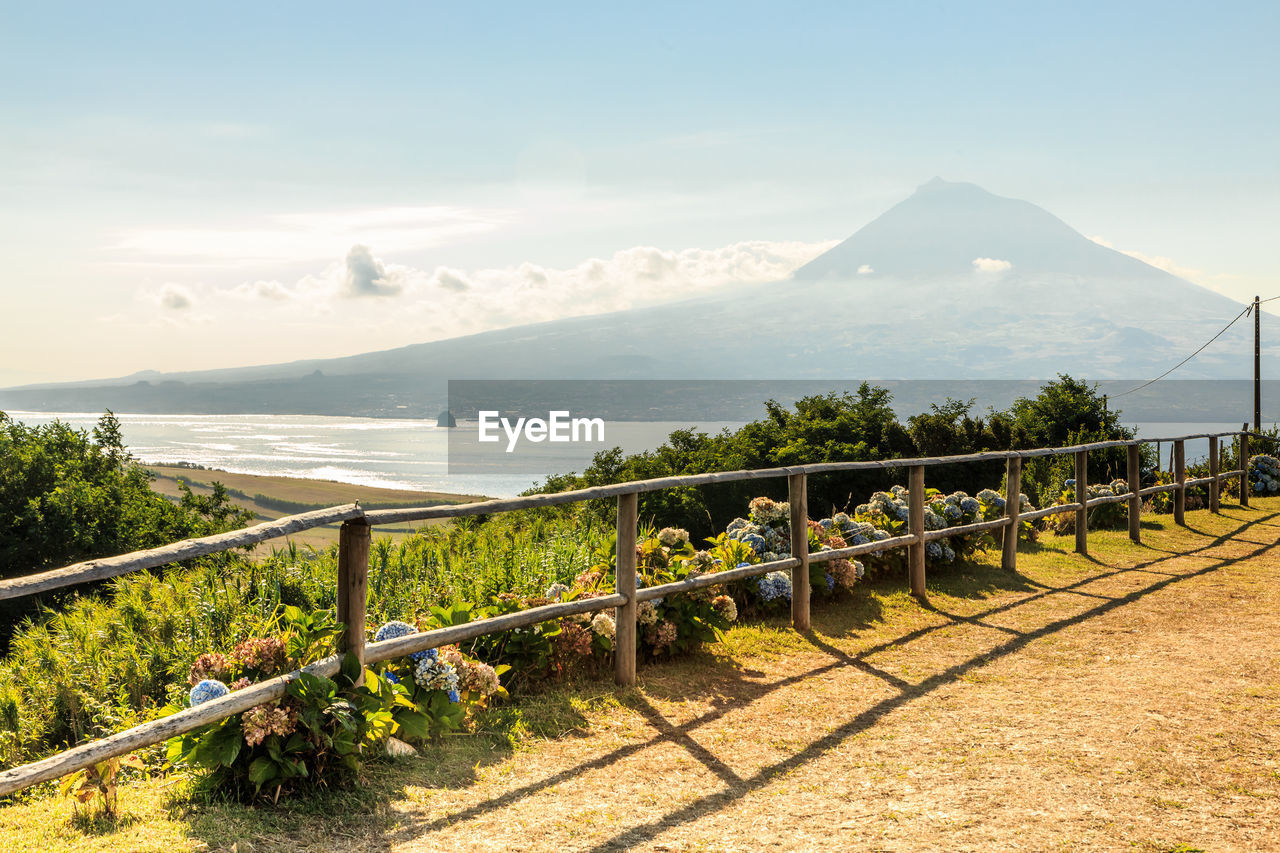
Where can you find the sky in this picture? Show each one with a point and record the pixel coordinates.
(190, 186)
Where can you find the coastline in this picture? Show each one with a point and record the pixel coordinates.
(273, 496)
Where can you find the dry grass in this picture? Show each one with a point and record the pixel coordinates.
(1126, 701)
(315, 493)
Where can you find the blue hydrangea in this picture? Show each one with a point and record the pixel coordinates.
(391, 676)
(210, 688)
(453, 696)
(831, 583)
(435, 675)
(756, 542)
(392, 630)
(1069, 484)
(775, 585)
(425, 654)
(969, 504)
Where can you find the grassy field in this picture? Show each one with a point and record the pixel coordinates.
(289, 495)
(1127, 700)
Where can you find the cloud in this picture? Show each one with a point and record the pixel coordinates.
(991, 265)
(366, 276)
(261, 290)
(312, 236)
(174, 297)
(417, 305)
(866, 269)
(1157, 261)
(451, 280)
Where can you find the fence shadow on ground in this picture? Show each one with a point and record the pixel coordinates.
(732, 687)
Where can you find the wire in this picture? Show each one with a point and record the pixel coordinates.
(1193, 355)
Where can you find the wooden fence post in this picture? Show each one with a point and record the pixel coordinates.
(1082, 495)
(798, 496)
(915, 526)
(353, 585)
(1180, 477)
(1213, 472)
(624, 643)
(1135, 485)
(1244, 469)
(1012, 506)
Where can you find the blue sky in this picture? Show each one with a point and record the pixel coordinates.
(184, 187)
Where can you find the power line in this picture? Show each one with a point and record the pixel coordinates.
(1247, 309)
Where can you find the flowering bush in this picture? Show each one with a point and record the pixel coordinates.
(311, 736)
(1264, 474)
(1110, 516)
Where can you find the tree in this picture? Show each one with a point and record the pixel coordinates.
(66, 496)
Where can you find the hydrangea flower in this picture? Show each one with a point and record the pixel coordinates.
(672, 536)
(212, 665)
(555, 591)
(646, 613)
(480, 678)
(261, 721)
(263, 654)
(426, 654)
(210, 688)
(392, 630)
(726, 607)
(775, 585)
(603, 625)
(435, 675)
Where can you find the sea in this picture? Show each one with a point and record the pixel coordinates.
(394, 453)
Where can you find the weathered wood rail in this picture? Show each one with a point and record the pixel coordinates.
(353, 567)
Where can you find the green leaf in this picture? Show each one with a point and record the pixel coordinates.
(350, 668)
(414, 724)
(219, 747)
(261, 771)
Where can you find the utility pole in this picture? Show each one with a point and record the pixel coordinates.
(1257, 364)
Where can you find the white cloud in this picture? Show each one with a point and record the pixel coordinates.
(991, 265)
(174, 297)
(1158, 261)
(313, 236)
(430, 304)
(366, 276)
(260, 290)
(866, 269)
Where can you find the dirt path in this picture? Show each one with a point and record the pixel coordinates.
(1124, 702)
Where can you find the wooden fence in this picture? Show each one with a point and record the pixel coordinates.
(353, 567)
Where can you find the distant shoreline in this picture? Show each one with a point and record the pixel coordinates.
(274, 496)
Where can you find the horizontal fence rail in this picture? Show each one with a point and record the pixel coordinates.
(353, 567)
(110, 567)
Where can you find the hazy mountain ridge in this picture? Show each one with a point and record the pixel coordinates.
(951, 283)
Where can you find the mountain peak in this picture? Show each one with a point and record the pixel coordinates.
(952, 228)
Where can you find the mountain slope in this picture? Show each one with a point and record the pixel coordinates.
(952, 283)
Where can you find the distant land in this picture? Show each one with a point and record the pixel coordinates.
(275, 497)
(953, 283)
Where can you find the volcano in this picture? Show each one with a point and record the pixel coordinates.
(952, 283)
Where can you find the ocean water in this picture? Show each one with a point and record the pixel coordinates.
(390, 453)
(380, 452)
